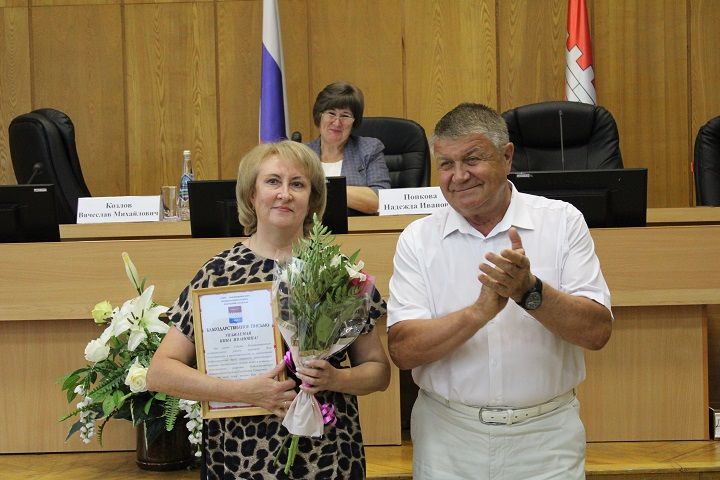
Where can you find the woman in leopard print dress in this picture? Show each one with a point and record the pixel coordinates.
(280, 186)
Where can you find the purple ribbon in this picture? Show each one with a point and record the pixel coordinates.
(328, 412)
(289, 361)
(326, 409)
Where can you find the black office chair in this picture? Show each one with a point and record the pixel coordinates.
(406, 149)
(707, 164)
(42, 147)
(589, 137)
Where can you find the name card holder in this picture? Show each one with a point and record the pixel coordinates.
(410, 201)
(119, 209)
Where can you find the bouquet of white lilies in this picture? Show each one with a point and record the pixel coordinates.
(112, 384)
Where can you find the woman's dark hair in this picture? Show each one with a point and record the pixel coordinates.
(340, 95)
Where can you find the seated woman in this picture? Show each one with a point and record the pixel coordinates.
(338, 110)
(280, 186)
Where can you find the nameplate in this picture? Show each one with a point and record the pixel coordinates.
(119, 209)
(410, 201)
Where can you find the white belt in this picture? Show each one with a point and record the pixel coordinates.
(505, 415)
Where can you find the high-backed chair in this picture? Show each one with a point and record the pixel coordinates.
(406, 149)
(42, 147)
(589, 137)
(707, 164)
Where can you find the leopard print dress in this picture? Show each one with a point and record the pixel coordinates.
(245, 447)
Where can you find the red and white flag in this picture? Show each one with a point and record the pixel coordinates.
(579, 74)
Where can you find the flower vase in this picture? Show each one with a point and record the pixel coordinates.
(170, 451)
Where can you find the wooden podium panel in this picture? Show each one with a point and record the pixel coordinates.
(35, 356)
(48, 292)
(64, 280)
(648, 383)
(660, 265)
(650, 380)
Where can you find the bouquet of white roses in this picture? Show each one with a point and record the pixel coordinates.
(113, 384)
(323, 297)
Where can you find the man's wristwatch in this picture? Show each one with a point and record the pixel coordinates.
(533, 297)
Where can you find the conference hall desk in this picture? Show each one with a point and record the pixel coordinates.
(655, 217)
(649, 383)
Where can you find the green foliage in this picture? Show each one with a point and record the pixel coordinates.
(323, 296)
(111, 380)
(70, 381)
(74, 429)
(172, 408)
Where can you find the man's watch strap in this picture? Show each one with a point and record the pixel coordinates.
(533, 297)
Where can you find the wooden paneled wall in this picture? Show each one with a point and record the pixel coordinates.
(143, 80)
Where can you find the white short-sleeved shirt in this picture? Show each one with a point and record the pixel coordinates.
(513, 360)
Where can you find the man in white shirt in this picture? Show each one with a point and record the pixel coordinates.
(492, 301)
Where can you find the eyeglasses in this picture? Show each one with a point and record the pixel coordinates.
(344, 118)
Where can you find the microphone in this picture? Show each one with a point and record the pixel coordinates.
(37, 169)
(296, 137)
(562, 141)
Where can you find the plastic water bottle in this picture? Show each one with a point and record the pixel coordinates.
(184, 196)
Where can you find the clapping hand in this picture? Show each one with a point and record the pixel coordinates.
(508, 274)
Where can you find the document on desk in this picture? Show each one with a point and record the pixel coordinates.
(236, 338)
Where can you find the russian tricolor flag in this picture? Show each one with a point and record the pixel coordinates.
(273, 104)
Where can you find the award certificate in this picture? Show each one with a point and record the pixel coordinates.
(235, 338)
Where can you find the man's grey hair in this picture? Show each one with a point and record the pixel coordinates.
(470, 118)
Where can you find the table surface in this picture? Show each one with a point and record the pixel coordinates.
(389, 223)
